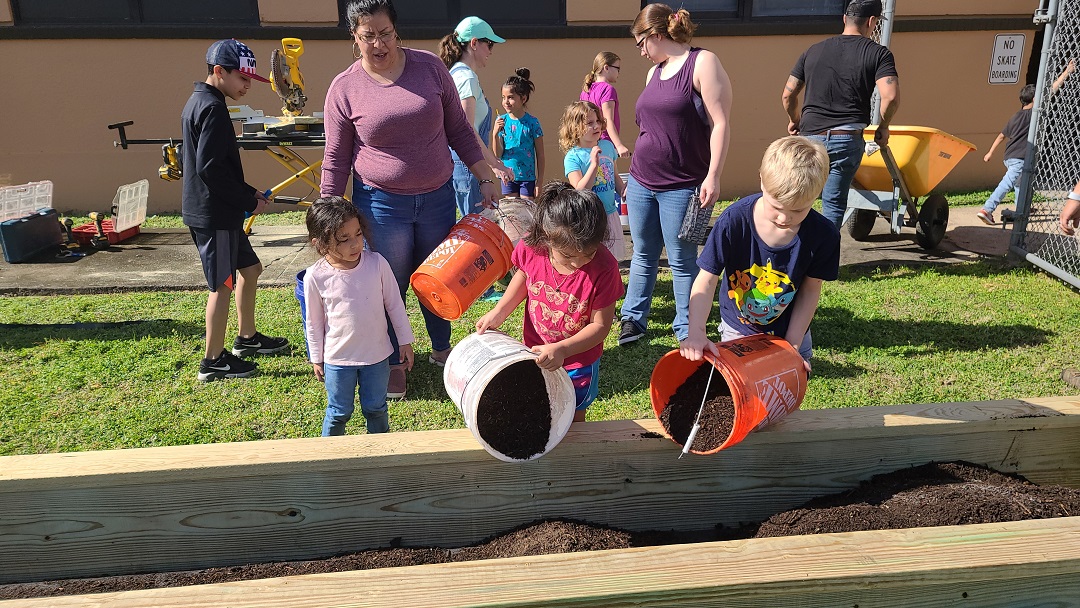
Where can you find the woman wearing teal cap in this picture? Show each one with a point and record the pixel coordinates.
(465, 51)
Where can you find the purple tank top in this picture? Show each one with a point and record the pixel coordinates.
(672, 149)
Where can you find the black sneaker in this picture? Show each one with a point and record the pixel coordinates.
(258, 344)
(226, 365)
(629, 332)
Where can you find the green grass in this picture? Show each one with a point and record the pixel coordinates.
(962, 332)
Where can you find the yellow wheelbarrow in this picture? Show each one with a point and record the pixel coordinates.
(908, 168)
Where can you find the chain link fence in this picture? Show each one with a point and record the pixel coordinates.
(1052, 167)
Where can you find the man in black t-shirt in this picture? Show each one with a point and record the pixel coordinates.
(839, 75)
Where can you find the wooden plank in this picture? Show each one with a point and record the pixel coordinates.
(977, 565)
(224, 504)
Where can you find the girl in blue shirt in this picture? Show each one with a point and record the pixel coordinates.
(517, 138)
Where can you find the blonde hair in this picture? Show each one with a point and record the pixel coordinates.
(794, 170)
(661, 19)
(602, 60)
(573, 122)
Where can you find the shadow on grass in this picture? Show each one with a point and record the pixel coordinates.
(25, 335)
(900, 269)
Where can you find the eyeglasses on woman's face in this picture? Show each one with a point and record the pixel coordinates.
(640, 44)
(371, 37)
(490, 44)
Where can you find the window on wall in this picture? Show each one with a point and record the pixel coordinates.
(709, 10)
(135, 12)
(447, 13)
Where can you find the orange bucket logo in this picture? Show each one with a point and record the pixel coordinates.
(470, 259)
(764, 373)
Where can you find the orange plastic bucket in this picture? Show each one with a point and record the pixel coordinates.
(473, 256)
(765, 374)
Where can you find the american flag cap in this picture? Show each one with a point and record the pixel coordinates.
(234, 55)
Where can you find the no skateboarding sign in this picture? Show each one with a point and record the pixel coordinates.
(1005, 62)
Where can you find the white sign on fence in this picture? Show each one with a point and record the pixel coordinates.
(1005, 62)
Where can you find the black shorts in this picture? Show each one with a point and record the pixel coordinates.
(222, 252)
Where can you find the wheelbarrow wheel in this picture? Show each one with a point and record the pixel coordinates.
(933, 220)
(861, 223)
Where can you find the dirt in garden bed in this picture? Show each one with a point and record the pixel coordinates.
(514, 412)
(929, 495)
(717, 418)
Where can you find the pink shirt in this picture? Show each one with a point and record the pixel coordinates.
(558, 306)
(395, 136)
(600, 93)
(347, 309)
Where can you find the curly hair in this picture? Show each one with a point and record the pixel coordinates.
(573, 123)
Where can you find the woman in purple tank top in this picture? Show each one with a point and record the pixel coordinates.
(683, 118)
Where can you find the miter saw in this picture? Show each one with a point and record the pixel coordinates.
(285, 77)
(288, 83)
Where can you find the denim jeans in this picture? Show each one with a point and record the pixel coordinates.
(1011, 181)
(655, 220)
(845, 156)
(466, 188)
(341, 382)
(404, 230)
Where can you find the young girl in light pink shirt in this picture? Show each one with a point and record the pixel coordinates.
(348, 295)
(570, 283)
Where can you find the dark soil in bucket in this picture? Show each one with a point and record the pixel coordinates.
(930, 495)
(514, 413)
(717, 419)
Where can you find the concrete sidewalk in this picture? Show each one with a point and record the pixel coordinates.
(165, 259)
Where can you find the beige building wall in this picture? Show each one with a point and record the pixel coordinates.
(56, 126)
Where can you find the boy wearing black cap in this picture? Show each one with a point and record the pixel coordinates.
(840, 74)
(215, 200)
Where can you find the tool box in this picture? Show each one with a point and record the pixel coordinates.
(86, 232)
(25, 237)
(23, 200)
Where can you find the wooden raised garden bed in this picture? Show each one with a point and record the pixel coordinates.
(180, 508)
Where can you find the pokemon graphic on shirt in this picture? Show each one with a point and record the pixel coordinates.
(761, 294)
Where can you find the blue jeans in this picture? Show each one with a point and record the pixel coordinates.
(404, 230)
(655, 220)
(1011, 181)
(466, 188)
(341, 382)
(845, 156)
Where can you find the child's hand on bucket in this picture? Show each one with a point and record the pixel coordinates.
(549, 356)
(405, 352)
(696, 345)
(491, 320)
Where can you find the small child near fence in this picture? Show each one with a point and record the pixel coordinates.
(348, 294)
(570, 284)
(590, 165)
(770, 252)
(1015, 131)
(517, 138)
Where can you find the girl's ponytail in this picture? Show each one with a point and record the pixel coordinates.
(450, 49)
(601, 61)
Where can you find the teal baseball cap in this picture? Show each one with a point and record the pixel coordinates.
(472, 28)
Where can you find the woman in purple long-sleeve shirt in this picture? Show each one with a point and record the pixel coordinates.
(391, 119)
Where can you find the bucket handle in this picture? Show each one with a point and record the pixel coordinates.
(512, 220)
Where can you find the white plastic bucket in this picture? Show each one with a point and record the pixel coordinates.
(477, 359)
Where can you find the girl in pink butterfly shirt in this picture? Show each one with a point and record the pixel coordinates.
(570, 283)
